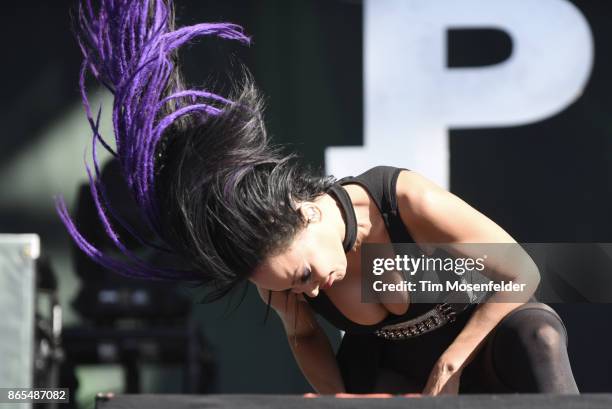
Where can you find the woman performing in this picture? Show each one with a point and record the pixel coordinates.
(217, 193)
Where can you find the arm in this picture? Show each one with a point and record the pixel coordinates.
(433, 215)
(309, 344)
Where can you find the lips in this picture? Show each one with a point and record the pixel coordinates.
(328, 283)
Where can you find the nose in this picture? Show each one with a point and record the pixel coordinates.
(313, 291)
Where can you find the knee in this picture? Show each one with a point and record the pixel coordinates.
(529, 352)
(546, 337)
(533, 329)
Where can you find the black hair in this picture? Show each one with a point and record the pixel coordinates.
(229, 196)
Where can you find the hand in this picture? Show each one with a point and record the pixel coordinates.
(444, 378)
(351, 395)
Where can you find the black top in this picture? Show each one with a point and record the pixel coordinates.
(380, 182)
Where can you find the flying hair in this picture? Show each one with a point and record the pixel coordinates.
(130, 47)
(209, 185)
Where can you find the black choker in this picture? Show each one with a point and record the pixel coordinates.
(343, 199)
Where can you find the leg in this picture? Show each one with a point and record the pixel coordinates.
(528, 351)
(391, 381)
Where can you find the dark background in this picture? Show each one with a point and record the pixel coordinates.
(545, 182)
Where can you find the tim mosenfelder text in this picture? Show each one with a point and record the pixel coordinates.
(425, 285)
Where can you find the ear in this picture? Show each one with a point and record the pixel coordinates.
(310, 212)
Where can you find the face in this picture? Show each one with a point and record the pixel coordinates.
(312, 262)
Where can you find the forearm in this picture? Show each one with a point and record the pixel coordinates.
(486, 316)
(316, 359)
(482, 322)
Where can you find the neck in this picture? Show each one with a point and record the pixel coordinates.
(363, 227)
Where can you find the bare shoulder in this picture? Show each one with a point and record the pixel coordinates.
(434, 215)
(415, 192)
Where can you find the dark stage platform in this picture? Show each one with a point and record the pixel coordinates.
(527, 401)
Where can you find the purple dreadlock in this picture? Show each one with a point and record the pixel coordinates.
(198, 164)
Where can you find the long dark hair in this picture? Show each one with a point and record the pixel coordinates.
(208, 181)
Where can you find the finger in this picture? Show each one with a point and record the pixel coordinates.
(431, 390)
(427, 390)
(434, 384)
(451, 387)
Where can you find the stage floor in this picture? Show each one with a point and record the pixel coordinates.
(527, 401)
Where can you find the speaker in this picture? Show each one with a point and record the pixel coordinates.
(18, 254)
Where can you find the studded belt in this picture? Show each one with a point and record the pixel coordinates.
(437, 317)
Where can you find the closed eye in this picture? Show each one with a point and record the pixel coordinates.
(305, 276)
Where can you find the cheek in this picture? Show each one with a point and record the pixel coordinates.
(334, 251)
(321, 243)
(329, 253)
